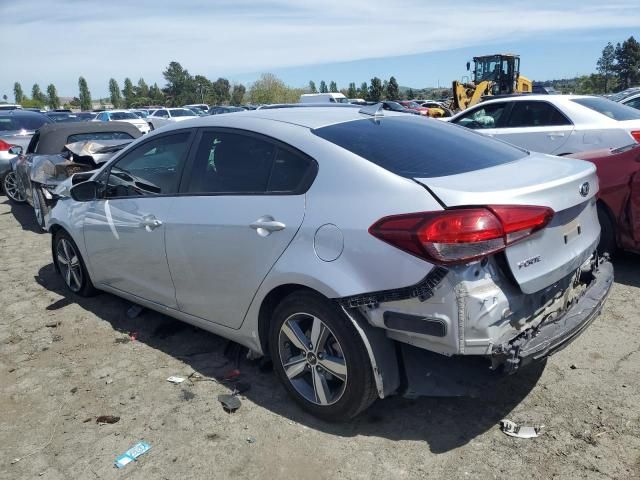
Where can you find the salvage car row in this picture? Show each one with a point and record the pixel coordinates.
(346, 243)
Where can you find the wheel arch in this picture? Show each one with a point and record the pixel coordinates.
(380, 349)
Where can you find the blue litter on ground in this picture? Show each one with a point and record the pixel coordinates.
(132, 454)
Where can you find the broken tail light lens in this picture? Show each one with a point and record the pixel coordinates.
(4, 146)
(461, 235)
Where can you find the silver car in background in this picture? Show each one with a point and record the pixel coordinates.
(344, 243)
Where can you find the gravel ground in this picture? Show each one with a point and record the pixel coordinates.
(65, 361)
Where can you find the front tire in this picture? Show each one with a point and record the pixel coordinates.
(40, 207)
(151, 128)
(71, 266)
(320, 358)
(11, 187)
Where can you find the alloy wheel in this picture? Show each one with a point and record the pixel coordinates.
(312, 359)
(69, 264)
(12, 189)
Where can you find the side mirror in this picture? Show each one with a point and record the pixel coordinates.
(468, 66)
(15, 150)
(85, 191)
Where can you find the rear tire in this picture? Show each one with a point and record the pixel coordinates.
(151, 127)
(333, 379)
(607, 232)
(70, 265)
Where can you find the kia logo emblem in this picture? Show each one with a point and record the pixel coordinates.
(584, 189)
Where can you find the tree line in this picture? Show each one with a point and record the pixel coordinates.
(617, 68)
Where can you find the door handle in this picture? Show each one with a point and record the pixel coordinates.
(266, 225)
(150, 222)
(554, 135)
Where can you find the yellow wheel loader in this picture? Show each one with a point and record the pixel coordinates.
(492, 75)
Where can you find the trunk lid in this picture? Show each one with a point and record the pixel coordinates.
(567, 186)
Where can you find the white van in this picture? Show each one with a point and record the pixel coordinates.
(323, 98)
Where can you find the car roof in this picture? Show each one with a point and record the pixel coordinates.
(308, 117)
(528, 97)
(53, 136)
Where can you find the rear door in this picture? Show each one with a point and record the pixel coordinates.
(634, 207)
(124, 230)
(241, 205)
(537, 126)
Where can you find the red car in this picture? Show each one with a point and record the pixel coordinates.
(619, 197)
(415, 106)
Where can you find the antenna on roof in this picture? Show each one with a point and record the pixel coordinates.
(373, 110)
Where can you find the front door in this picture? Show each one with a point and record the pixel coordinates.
(242, 204)
(124, 230)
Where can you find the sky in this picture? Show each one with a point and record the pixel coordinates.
(420, 42)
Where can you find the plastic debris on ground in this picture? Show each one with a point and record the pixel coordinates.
(175, 380)
(520, 431)
(134, 310)
(107, 419)
(231, 374)
(230, 403)
(251, 440)
(132, 454)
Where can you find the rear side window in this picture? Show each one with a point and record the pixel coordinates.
(83, 137)
(237, 164)
(606, 107)
(535, 114)
(634, 103)
(416, 147)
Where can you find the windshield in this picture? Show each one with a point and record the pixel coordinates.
(395, 106)
(83, 137)
(123, 116)
(182, 112)
(487, 69)
(10, 123)
(414, 147)
(611, 109)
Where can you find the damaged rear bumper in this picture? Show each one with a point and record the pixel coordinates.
(431, 374)
(552, 337)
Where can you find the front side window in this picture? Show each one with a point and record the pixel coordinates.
(161, 113)
(153, 168)
(182, 112)
(232, 163)
(123, 116)
(535, 114)
(486, 116)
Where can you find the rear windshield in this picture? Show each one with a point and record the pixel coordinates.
(611, 109)
(182, 113)
(415, 147)
(123, 116)
(22, 122)
(82, 137)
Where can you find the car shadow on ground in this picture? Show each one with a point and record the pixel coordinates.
(627, 269)
(24, 214)
(443, 423)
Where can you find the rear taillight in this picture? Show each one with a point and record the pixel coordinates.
(636, 136)
(4, 146)
(462, 234)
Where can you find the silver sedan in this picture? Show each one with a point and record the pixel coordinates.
(344, 243)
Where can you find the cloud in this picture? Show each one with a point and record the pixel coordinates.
(119, 38)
